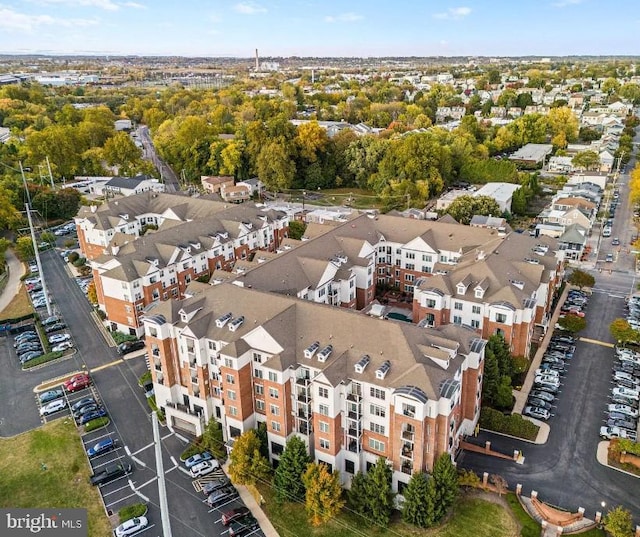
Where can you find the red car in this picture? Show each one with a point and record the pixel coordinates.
(234, 514)
(77, 382)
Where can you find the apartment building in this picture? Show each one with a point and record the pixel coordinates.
(351, 386)
(134, 270)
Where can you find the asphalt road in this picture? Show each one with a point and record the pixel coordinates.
(172, 184)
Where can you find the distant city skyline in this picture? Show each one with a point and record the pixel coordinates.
(356, 28)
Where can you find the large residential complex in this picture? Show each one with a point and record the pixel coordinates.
(353, 387)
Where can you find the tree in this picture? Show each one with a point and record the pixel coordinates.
(500, 483)
(622, 332)
(464, 207)
(261, 431)
(618, 522)
(357, 495)
(563, 124)
(323, 498)
(581, 279)
(92, 295)
(276, 167)
(121, 151)
(587, 160)
(468, 478)
(572, 323)
(296, 229)
(379, 493)
(24, 248)
(47, 236)
(446, 485)
(287, 480)
(418, 508)
(9, 215)
(247, 464)
(212, 439)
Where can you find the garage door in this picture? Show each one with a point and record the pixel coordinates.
(183, 425)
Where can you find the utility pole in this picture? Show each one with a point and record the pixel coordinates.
(50, 174)
(162, 487)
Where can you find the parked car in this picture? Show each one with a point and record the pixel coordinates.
(89, 416)
(61, 347)
(540, 403)
(86, 410)
(221, 496)
(53, 406)
(55, 327)
(28, 347)
(51, 320)
(130, 346)
(110, 472)
(204, 468)
(234, 514)
(546, 372)
(77, 382)
(622, 423)
(24, 338)
(198, 457)
(83, 402)
(50, 395)
(549, 388)
(243, 526)
(31, 355)
(623, 409)
(537, 412)
(101, 447)
(607, 433)
(545, 396)
(132, 526)
(59, 338)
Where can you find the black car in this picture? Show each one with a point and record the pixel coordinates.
(546, 388)
(130, 346)
(243, 526)
(85, 410)
(221, 496)
(111, 472)
(534, 401)
(214, 485)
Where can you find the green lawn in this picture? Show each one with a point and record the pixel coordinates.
(472, 517)
(25, 483)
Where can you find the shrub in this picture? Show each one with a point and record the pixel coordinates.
(191, 449)
(514, 424)
(42, 359)
(145, 378)
(69, 243)
(73, 257)
(120, 337)
(131, 511)
(96, 424)
(84, 270)
(80, 262)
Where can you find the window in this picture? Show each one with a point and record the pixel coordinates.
(259, 389)
(233, 411)
(323, 410)
(411, 255)
(257, 373)
(475, 309)
(228, 362)
(273, 376)
(411, 266)
(376, 428)
(426, 269)
(430, 303)
(501, 318)
(376, 444)
(457, 319)
(457, 306)
(260, 405)
(408, 288)
(273, 393)
(323, 392)
(426, 258)
(275, 426)
(443, 259)
(409, 410)
(257, 357)
(231, 394)
(324, 427)
(274, 409)
(377, 393)
(324, 443)
(230, 378)
(409, 277)
(475, 323)
(349, 467)
(377, 410)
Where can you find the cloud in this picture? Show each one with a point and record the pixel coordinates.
(343, 17)
(249, 8)
(107, 5)
(134, 5)
(565, 3)
(13, 21)
(453, 13)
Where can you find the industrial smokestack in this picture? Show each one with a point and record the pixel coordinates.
(257, 61)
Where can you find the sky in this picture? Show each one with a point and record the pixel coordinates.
(358, 28)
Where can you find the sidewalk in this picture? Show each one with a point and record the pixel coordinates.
(254, 507)
(16, 270)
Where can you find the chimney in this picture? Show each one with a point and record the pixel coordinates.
(257, 61)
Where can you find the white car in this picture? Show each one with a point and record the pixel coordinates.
(548, 380)
(621, 391)
(607, 433)
(623, 409)
(59, 338)
(537, 412)
(61, 347)
(132, 526)
(203, 468)
(548, 372)
(53, 406)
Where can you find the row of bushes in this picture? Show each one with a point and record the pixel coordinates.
(514, 424)
(154, 406)
(96, 424)
(121, 337)
(50, 356)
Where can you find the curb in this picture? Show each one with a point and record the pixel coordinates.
(602, 458)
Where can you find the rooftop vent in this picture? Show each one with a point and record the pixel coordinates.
(362, 363)
(236, 323)
(532, 261)
(221, 321)
(311, 349)
(517, 283)
(382, 371)
(325, 353)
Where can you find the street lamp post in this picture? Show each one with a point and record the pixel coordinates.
(304, 193)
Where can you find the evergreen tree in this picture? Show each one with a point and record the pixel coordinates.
(261, 431)
(357, 494)
(418, 507)
(287, 480)
(323, 498)
(378, 492)
(445, 480)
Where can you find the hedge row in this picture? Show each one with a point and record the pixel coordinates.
(95, 424)
(624, 444)
(132, 511)
(42, 359)
(514, 424)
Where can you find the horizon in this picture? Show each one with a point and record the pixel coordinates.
(314, 29)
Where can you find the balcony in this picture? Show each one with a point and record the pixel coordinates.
(157, 364)
(408, 435)
(192, 363)
(302, 414)
(407, 450)
(303, 381)
(184, 409)
(354, 446)
(303, 397)
(354, 432)
(155, 351)
(354, 396)
(406, 468)
(303, 427)
(354, 415)
(194, 378)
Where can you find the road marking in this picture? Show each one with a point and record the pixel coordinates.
(145, 498)
(180, 437)
(597, 342)
(142, 449)
(167, 436)
(127, 450)
(120, 500)
(185, 471)
(105, 366)
(138, 461)
(148, 482)
(116, 490)
(173, 460)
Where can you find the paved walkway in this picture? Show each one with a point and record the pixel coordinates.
(254, 507)
(16, 270)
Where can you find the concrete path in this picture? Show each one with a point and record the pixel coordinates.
(16, 270)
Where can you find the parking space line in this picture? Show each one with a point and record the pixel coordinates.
(173, 460)
(166, 436)
(222, 505)
(96, 438)
(108, 505)
(597, 342)
(127, 450)
(184, 471)
(138, 461)
(134, 489)
(116, 490)
(105, 366)
(142, 449)
(148, 482)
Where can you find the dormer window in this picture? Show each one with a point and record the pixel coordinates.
(479, 292)
(461, 289)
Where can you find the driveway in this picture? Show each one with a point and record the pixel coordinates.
(564, 471)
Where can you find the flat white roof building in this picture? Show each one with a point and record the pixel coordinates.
(501, 192)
